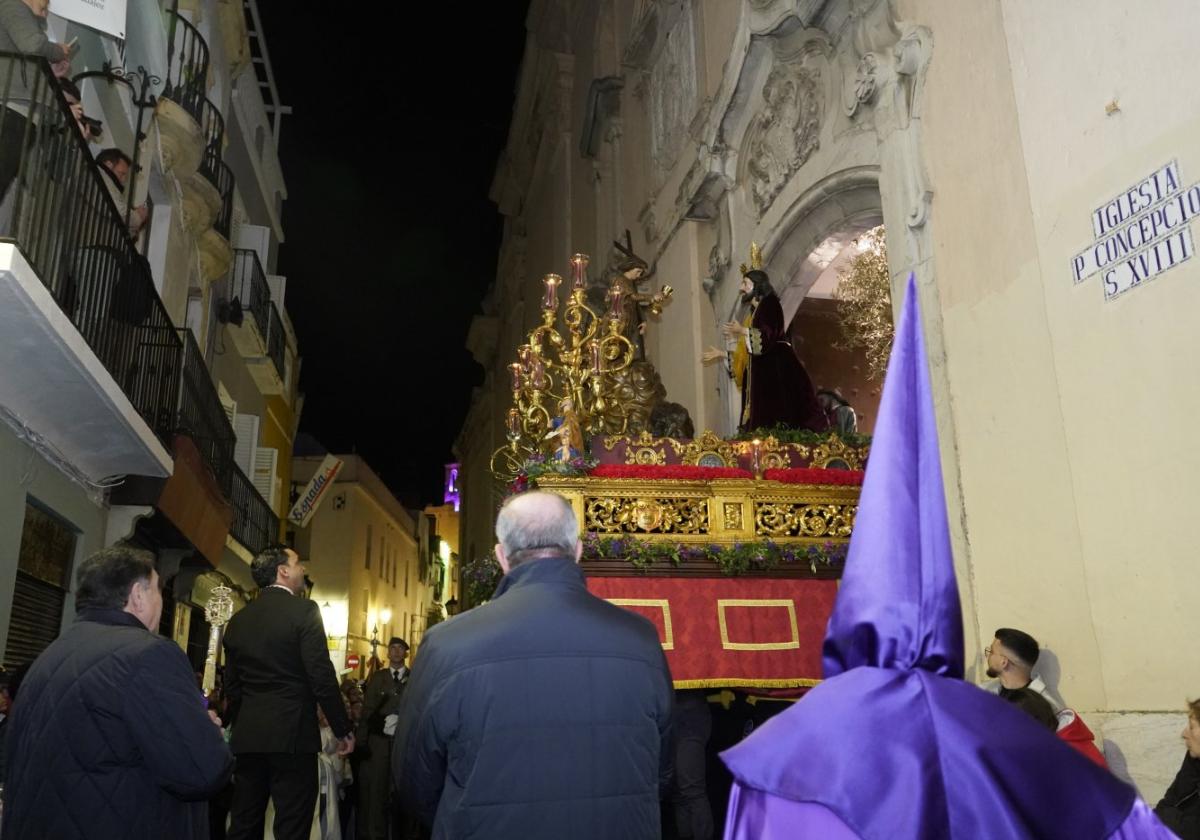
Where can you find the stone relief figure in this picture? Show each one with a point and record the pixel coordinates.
(787, 132)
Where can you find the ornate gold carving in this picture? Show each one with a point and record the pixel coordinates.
(774, 455)
(733, 516)
(642, 449)
(645, 455)
(835, 451)
(708, 450)
(610, 515)
(794, 519)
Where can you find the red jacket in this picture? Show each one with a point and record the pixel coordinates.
(1075, 732)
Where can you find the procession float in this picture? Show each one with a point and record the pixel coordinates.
(731, 547)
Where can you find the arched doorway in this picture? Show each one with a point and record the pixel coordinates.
(821, 233)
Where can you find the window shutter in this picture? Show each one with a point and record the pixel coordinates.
(245, 428)
(265, 461)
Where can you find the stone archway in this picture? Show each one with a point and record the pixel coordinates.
(817, 235)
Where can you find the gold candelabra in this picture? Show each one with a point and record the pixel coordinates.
(563, 379)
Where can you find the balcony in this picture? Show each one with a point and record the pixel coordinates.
(81, 325)
(208, 198)
(180, 109)
(255, 525)
(201, 416)
(260, 339)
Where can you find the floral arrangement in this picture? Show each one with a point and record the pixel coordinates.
(539, 465)
(667, 471)
(784, 434)
(479, 577)
(733, 560)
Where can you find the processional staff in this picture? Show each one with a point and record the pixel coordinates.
(218, 611)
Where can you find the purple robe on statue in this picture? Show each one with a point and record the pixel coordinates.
(893, 744)
(777, 390)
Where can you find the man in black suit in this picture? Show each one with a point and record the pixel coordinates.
(381, 711)
(277, 670)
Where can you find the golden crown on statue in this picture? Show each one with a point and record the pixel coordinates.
(564, 376)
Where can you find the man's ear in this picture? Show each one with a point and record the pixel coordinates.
(500, 558)
(137, 596)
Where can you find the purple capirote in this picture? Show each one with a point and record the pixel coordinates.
(893, 743)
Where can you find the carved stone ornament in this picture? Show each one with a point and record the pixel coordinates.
(861, 90)
(673, 92)
(786, 133)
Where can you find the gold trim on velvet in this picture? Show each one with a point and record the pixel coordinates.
(662, 603)
(735, 682)
(789, 604)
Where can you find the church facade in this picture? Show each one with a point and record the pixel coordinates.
(1035, 177)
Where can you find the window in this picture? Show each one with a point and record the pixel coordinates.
(382, 555)
(368, 545)
(43, 570)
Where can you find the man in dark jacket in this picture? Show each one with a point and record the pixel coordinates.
(110, 736)
(277, 669)
(544, 713)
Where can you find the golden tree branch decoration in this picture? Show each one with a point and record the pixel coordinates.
(864, 296)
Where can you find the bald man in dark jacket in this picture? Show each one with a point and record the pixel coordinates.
(543, 713)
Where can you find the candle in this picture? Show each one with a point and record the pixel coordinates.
(514, 422)
(523, 354)
(550, 301)
(537, 372)
(597, 357)
(615, 296)
(515, 370)
(579, 264)
(756, 457)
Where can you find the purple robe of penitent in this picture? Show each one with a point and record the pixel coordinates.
(893, 743)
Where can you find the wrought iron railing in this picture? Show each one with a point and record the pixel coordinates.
(202, 417)
(276, 341)
(187, 67)
(224, 185)
(60, 213)
(214, 170)
(248, 284)
(255, 525)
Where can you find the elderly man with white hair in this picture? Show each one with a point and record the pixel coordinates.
(543, 713)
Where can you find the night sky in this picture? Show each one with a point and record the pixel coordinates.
(391, 241)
